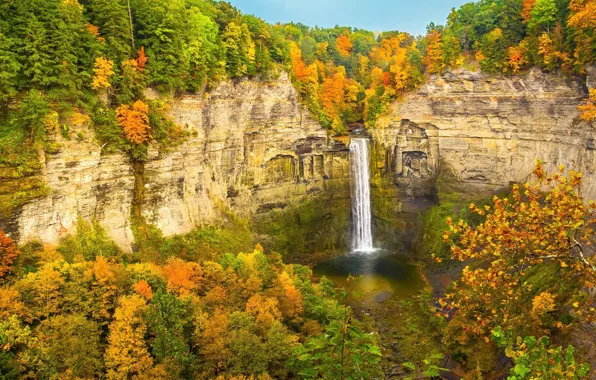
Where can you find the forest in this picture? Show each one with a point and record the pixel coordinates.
(214, 303)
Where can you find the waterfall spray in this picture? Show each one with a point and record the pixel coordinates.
(361, 205)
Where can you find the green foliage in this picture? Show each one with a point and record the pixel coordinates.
(434, 223)
(88, 242)
(543, 16)
(167, 317)
(308, 227)
(536, 358)
(430, 368)
(31, 116)
(344, 351)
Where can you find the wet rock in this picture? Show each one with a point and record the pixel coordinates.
(383, 296)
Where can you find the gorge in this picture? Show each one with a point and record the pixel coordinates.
(253, 149)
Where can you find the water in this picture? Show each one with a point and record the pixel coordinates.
(379, 272)
(361, 207)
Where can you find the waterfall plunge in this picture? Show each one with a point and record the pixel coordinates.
(361, 211)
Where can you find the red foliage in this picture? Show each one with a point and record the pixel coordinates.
(8, 254)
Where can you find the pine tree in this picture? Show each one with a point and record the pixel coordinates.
(9, 70)
(114, 25)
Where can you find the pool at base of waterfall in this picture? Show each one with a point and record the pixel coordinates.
(381, 274)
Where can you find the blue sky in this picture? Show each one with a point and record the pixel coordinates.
(377, 15)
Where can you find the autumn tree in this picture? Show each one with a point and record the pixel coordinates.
(344, 45)
(103, 72)
(588, 110)
(135, 122)
(127, 354)
(434, 53)
(527, 10)
(582, 21)
(538, 227)
(69, 344)
(8, 254)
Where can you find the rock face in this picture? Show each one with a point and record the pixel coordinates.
(252, 149)
(472, 134)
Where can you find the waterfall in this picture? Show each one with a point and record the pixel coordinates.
(361, 211)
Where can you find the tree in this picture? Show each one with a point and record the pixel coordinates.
(588, 109)
(162, 31)
(543, 15)
(537, 359)
(126, 354)
(8, 254)
(544, 226)
(103, 72)
(111, 16)
(135, 122)
(9, 69)
(166, 316)
(240, 50)
(32, 115)
(204, 50)
(526, 12)
(518, 56)
(434, 53)
(344, 351)
(344, 45)
(69, 344)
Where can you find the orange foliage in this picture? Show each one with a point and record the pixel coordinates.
(588, 110)
(332, 94)
(183, 277)
(143, 289)
(291, 302)
(8, 254)
(134, 121)
(583, 14)
(141, 58)
(104, 69)
(10, 303)
(344, 45)
(526, 12)
(216, 295)
(306, 77)
(518, 56)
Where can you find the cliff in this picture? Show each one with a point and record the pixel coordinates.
(253, 149)
(468, 134)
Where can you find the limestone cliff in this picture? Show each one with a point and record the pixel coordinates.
(252, 149)
(475, 133)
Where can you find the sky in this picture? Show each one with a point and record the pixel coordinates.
(410, 16)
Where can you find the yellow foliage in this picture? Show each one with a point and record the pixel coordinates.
(104, 69)
(127, 354)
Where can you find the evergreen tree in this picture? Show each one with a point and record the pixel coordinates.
(162, 30)
(112, 18)
(9, 70)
